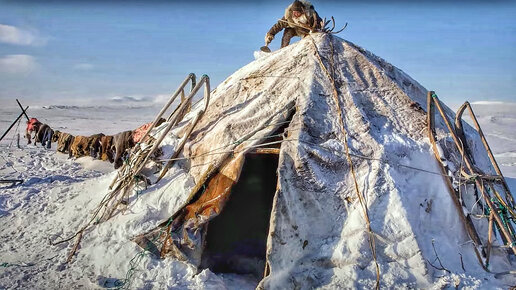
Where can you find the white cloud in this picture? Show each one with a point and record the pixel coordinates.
(84, 66)
(162, 98)
(487, 103)
(17, 64)
(14, 35)
(128, 99)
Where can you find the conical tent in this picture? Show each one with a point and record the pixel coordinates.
(359, 195)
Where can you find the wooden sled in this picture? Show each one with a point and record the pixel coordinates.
(498, 209)
(129, 174)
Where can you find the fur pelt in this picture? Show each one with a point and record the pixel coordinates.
(46, 139)
(64, 140)
(121, 142)
(79, 147)
(105, 148)
(94, 145)
(56, 136)
(40, 133)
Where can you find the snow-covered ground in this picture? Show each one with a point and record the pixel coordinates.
(56, 189)
(51, 203)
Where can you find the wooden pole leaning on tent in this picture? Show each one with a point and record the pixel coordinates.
(141, 164)
(127, 179)
(508, 202)
(489, 239)
(478, 180)
(506, 231)
(180, 90)
(206, 80)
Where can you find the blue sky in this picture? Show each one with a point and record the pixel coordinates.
(65, 51)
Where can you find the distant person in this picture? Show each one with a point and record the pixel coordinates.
(300, 18)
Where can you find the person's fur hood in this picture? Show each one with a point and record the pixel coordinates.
(308, 7)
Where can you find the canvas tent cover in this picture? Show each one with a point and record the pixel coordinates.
(318, 235)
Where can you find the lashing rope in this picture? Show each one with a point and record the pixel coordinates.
(346, 146)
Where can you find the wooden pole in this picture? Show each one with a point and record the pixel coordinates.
(509, 196)
(19, 104)
(489, 238)
(10, 127)
(265, 151)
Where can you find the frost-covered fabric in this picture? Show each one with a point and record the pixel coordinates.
(318, 232)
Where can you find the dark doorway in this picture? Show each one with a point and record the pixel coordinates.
(236, 239)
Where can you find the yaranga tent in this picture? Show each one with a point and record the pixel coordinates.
(309, 167)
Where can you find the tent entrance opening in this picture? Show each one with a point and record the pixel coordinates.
(236, 239)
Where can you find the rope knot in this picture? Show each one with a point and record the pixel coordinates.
(473, 177)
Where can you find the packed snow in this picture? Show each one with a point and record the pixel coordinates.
(58, 194)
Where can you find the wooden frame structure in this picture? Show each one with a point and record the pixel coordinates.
(129, 174)
(499, 210)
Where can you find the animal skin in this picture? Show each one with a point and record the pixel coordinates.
(79, 147)
(121, 142)
(105, 148)
(64, 140)
(94, 145)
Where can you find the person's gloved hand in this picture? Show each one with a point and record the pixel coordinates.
(268, 38)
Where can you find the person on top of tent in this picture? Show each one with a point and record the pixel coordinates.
(300, 19)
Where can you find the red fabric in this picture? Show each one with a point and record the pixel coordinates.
(31, 123)
(138, 133)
